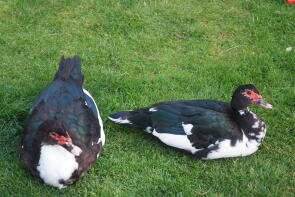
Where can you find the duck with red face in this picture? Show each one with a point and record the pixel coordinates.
(66, 142)
(64, 134)
(208, 129)
(256, 98)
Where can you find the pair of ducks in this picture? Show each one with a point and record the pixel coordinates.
(64, 133)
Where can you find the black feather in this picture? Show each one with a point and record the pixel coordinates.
(205, 123)
(62, 106)
(70, 68)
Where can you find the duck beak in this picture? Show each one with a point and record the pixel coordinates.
(264, 104)
(75, 150)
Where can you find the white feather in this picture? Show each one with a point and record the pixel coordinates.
(56, 163)
(187, 128)
(255, 125)
(98, 141)
(102, 134)
(153, 109)
(177, 141)
(262, 133)
(149, 129)
(241, 112)
(120, 120)
(242, 147)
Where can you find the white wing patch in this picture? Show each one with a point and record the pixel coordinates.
(153, 109)
(56, 163)
(177, 141)
(187, 128)
(102, 134)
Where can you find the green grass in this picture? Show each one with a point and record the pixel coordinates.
(136, 53)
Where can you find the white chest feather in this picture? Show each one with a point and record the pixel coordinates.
(56, 163)
(242, 147)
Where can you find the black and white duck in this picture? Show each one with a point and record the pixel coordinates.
(63, 134)
(208, 129)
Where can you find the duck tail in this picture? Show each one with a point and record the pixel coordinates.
(138, 118)
(70, 68)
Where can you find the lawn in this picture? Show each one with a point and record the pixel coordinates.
(136, 53)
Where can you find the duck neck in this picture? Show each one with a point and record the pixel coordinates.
(252, 126)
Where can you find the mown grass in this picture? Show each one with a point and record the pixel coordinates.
(136, 53)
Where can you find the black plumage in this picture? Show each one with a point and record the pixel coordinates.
(203, 126)
(63, 112)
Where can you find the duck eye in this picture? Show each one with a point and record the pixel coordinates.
(249, 92)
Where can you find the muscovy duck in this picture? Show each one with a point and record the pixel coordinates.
(63, 134)
(208, 129)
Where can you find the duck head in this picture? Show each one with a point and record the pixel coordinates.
(246, 95)
(55, 133)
